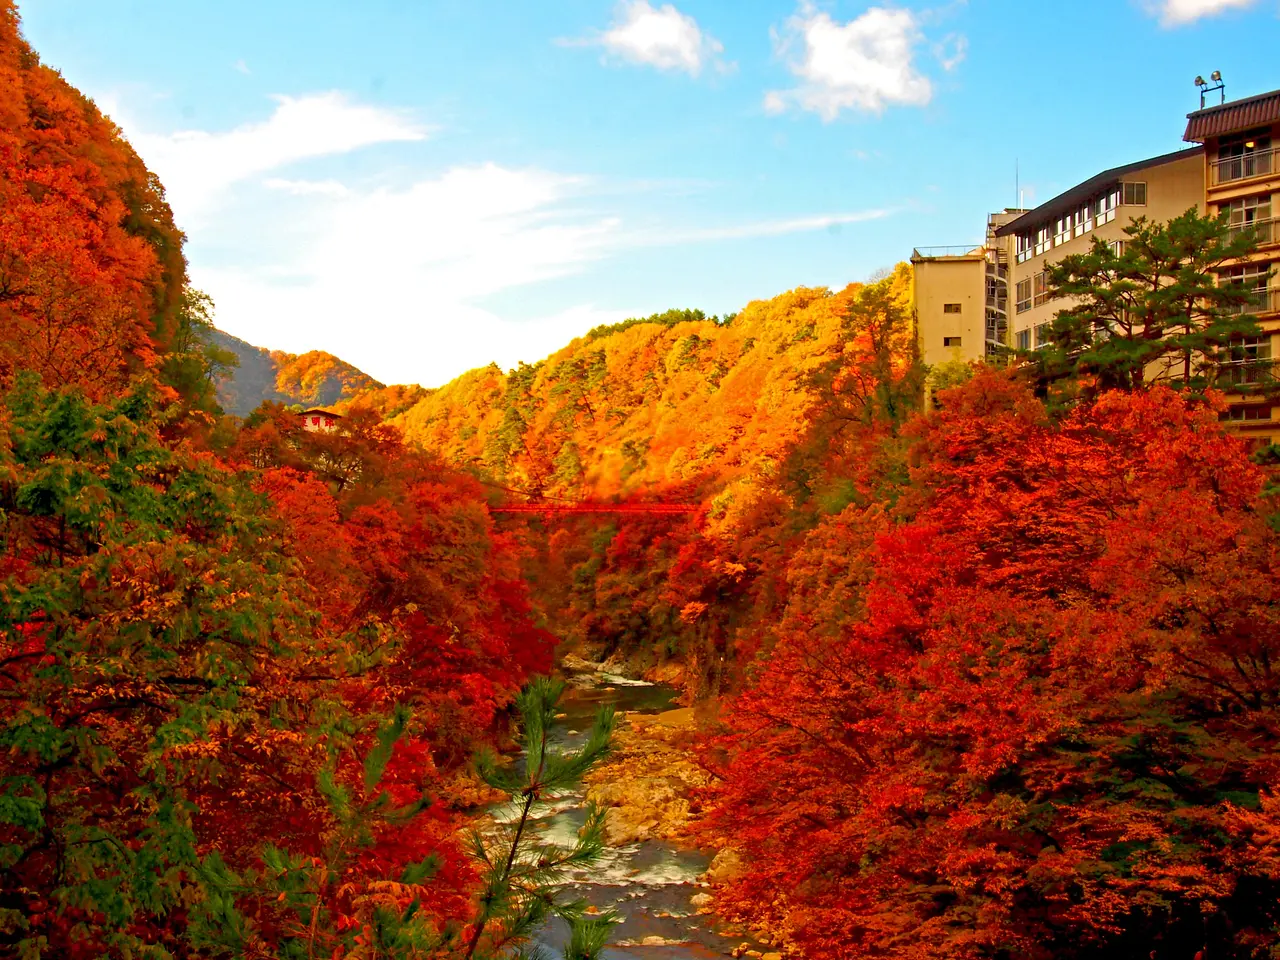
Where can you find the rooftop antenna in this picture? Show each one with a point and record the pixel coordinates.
(1017, 184)
(1215, 83)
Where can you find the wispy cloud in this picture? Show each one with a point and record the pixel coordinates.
(197, 165)
(660, 37)
(397, 275)
(241, 67)
(771, 228)
(866, 64)
(1175, 13)
(305, 188)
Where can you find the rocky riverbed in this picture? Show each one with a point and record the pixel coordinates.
(651, 874)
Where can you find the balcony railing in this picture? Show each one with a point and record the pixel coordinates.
(1264, 231)
(1266, 301)
(1246, 376)
(1244, 167)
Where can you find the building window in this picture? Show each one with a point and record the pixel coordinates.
(1248, 361)
(1104, 208)
(1243, 156)
(1082, 220)
(1135, 194)
(1025, 244)
(1024, 339)
(1022, 300)
(1250, 214)
(1246, 413)
(1041, 288)
(1062, 230)
(1044, 239)
(1117, 247)
(951, 308)
(1042, 335)
(951, 341)
(1254, 278)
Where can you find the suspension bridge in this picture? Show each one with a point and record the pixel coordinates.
(573, 507)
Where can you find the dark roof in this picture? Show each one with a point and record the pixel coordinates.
(1238, 115)
(327, 413)
(1083, 191)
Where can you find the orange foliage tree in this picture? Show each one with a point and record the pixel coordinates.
(91, 265)
(1034, 717)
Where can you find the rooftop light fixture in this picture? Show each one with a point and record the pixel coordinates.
(1215, 83)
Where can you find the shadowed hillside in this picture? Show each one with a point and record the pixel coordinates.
(313, 378)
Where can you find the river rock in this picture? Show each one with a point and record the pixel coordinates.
(725, 865)
(648, 782)
(701, 900)
(671, 673)
(774, 955)
(573, 663)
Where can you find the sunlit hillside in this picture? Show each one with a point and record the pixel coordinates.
(645, 406)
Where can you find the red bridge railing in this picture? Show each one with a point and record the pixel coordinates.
(664, 509)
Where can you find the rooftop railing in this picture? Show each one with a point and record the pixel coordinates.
(951, 250)
(1244, 167)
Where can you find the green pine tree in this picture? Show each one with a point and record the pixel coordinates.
(524, 878)
(1157, 308)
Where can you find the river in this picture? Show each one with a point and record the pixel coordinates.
(649, 884)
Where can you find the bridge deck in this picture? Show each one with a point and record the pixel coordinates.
(572, 508)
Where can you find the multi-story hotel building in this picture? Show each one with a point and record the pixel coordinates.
(1241, 175)
(972, 301)
(1102, 206)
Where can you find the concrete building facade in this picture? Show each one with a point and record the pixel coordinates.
(1102, 206)
(1240, 171)
(1233, 169)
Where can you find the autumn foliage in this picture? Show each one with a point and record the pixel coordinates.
(990, 679)
(91, 265)
(1029, 710)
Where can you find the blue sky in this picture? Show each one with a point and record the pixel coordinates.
(422, 186)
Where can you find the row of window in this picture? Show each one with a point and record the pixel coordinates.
(1031, 292)
(1246, 413)
(1041, 333)
(1084, 219)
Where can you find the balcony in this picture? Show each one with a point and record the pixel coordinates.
(1264, 231)
(1246, 376)
(1266, 302)
(1249, 166)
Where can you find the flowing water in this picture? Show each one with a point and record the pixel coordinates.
(649, 884)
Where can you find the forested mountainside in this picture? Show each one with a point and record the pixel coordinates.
(92, 269)
(314, 378)
(993, 677)
(679, 408)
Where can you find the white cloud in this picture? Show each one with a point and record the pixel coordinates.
(951, 51)
(196, 166)
(865, 64)
(241, 67)
(303, 188)
(394, 280)
(1178, 12)
(661, 37)
(397, 276)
